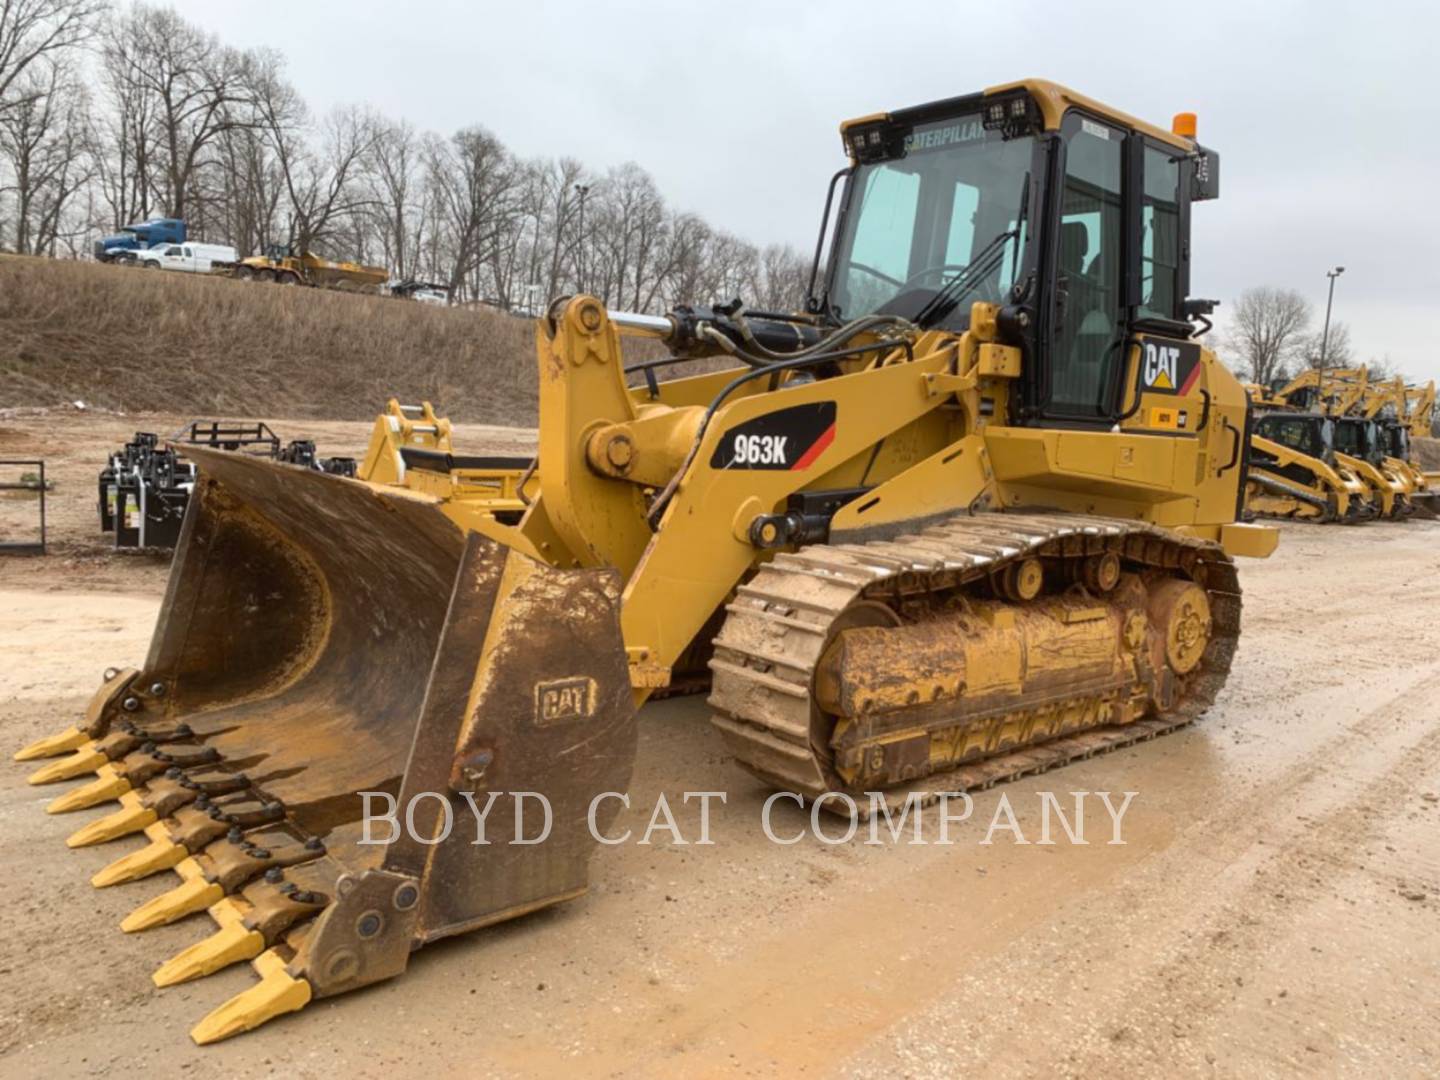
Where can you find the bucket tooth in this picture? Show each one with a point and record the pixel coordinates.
(159, 854)
(195, 893)
(85, 760)
(72, 738)
(228, 945)
(106, 787)
(278, 993)
(132, 817)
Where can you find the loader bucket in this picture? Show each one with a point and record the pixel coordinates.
(322, 638)
(1426, 504)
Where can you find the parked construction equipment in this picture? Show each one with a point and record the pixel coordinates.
(968, 516)
(1419, 412)
(145, 486)
(1294, 472)
(1345, 450)
(283, 265)
(30, 482)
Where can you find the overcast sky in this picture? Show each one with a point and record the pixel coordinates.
(1323, 113)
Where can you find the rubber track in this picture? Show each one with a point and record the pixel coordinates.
(779, 624)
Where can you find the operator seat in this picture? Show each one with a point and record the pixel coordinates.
(1085, 332)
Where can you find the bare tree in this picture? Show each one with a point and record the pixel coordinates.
(785, 275)
(1336, 351)
(565, 206)
(393, 168)
(46, 141)
(472, 179)
(623, 234)
(31, 31)
(248, 191)
(128, 133)
(324, 186)
(196, 88)
(181, 123)
(1268, 329)
(686, 252)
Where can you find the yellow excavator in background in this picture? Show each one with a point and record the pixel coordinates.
(1419, 411)
(1386, 405)
(969, 514)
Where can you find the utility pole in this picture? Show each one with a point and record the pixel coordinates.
(582, 190)
(1324, 337)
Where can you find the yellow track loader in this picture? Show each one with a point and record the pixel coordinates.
(969, 515)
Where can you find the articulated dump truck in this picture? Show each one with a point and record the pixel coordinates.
(969, 515)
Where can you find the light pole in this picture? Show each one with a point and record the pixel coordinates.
(1330, 301)
(582, 190)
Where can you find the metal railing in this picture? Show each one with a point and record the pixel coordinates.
(25, 547)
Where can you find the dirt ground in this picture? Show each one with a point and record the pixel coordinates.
(1274, 910)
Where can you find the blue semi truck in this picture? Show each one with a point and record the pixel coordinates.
(143, 235)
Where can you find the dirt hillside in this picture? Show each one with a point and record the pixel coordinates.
(1427, 453)
(138, 340)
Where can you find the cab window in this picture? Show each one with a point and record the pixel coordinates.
(884, 236)
(1295, 432)
(1089, 321)
(1160, 235)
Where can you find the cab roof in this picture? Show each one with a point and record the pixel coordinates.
(1053, 99)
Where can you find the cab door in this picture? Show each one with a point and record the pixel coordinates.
(1084, 326)
(1117, 271)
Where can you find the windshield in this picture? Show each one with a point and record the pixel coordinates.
(917, 224)
(1308, 434)
(1356, 438)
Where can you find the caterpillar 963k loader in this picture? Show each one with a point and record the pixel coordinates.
(969, 515)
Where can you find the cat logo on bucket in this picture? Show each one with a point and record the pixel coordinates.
(1168, 367)
(564, 699)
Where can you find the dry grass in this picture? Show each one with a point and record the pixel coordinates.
(138, 340)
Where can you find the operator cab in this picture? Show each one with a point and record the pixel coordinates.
(1359, 438)
(1397, 436)
(1071, 216)
(1307, 433)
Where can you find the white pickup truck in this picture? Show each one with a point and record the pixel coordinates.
(188, 257)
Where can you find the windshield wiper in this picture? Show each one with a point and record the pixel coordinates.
(963, 283)
(958, 287)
